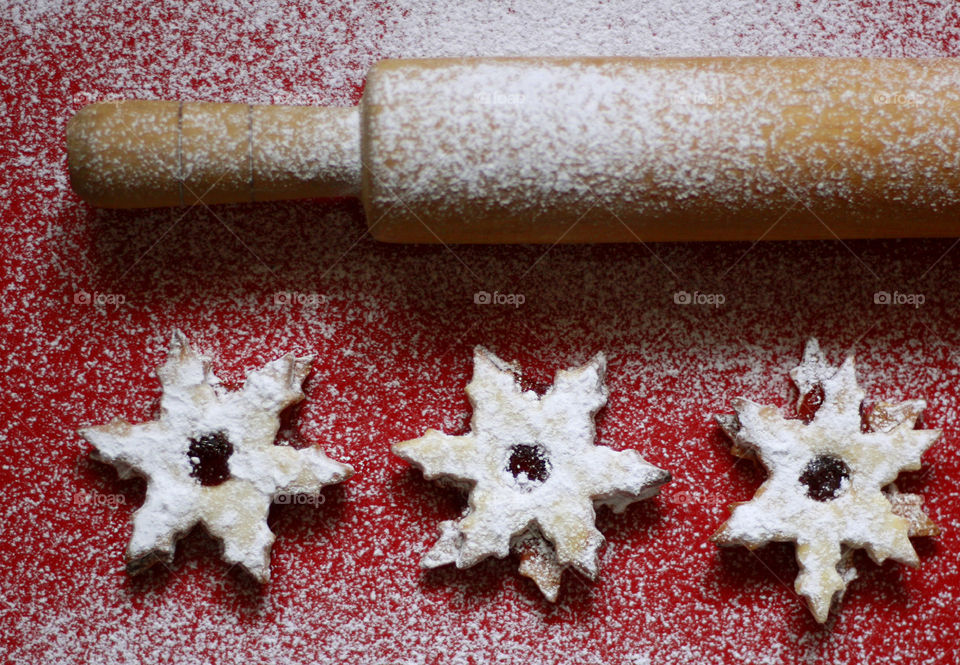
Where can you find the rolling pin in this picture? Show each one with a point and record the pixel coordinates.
(545, 150)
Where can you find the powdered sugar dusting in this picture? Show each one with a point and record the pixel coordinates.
(392, 328)
(612, 150)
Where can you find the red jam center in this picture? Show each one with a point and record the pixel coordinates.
(530, 460)
(824, 477)
(208, 458)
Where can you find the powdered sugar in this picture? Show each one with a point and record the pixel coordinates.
(615, 150)
(392, 328)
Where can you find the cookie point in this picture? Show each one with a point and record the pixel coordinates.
(346, 472)
(401, 448)
(259, 574)
(178, 339)
(300, 361)
(820, 615)
(599, 360)
(719, 536)
(481, 352)
(849, 364)
(739, 403)
(138, 564)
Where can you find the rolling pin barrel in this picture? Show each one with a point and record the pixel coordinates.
(568, 150)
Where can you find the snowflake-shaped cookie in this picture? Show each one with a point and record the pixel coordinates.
(210, 459)
(831, 472)
(533, 473)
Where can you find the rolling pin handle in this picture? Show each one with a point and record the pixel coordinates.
(143, 154)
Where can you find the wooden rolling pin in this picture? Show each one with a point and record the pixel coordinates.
(567, 150)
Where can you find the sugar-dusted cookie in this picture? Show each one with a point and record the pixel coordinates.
(533, 473)
(831, 473)
(210, 459)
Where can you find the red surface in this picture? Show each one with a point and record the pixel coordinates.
(393, 338)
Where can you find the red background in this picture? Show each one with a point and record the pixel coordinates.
(393, 337)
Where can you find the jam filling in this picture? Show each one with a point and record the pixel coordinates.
(824, 476)
(539, 388)
(810, 404)
(208, 458)
(529, 460)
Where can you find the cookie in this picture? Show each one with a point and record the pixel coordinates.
(210, 459)
(533, 473)
(830, 486)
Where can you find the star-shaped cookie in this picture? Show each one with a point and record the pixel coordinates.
(210, 459)
(533, 473)
(830, 484)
